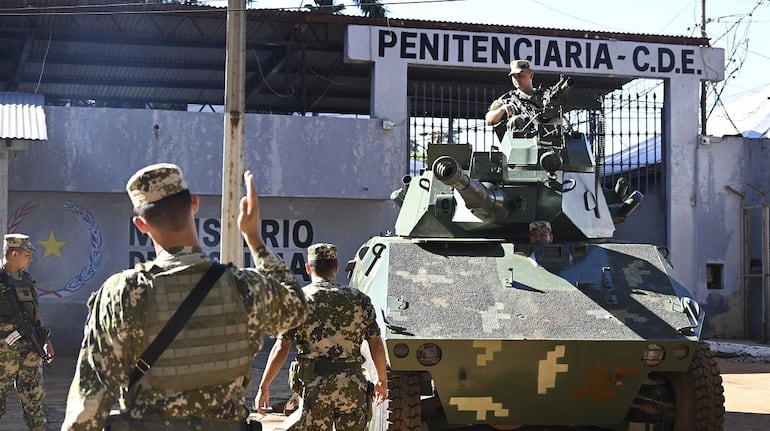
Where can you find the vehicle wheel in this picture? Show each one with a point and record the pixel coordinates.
(403, 412)
(699, 394)
(691, 401)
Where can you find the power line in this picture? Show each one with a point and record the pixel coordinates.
(561, 12)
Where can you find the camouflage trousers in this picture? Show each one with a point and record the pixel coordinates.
(21, 367)
(338, 399)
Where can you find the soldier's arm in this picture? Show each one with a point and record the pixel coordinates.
(285, 303)
(248, 217)
(499, 113)
(377, 350)
(275, 361)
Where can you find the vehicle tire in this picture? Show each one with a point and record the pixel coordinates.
(698, 394)
(685, 401)
(403, 411)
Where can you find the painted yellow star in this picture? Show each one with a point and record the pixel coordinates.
(52, 246)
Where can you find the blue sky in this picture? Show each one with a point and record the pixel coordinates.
(741, 27)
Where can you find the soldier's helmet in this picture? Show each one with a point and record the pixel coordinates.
(540, 232)
(322, 251)
(155, 182)
(540, 226)
(518, 66)
(17, 240)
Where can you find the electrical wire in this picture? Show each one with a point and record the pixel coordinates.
(42, 66)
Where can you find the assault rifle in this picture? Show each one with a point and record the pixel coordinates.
(26, 327)
(530, 116)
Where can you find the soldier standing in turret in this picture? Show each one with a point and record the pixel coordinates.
(502, 114)
(329, 361)
(21, 365)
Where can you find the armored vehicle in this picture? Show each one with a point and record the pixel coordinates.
(485, 330)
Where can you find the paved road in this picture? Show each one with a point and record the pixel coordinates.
(747, 389)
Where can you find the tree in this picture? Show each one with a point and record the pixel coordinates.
(370, 8)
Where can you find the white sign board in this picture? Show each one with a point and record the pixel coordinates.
(558, 54)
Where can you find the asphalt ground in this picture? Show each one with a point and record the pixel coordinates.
(745, 369)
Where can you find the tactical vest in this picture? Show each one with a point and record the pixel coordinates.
(25, 291)
(212, 348)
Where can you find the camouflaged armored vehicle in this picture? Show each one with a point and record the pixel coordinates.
(484, 330)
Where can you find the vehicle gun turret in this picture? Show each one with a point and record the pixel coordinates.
(547, 172)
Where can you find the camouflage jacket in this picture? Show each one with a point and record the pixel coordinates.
(536, 99)
(26, 290)
(340, 319)
(113, 341)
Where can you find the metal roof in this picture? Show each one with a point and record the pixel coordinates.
(126, 54)
(22, 116)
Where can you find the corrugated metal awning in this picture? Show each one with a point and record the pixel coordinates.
(22, 116)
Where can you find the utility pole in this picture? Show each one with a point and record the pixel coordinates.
(231, 247)
(703, 83)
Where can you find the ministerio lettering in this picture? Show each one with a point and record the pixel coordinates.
(288, 238)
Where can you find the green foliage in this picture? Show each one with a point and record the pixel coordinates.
(369, 8)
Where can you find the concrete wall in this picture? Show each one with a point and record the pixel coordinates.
(319, 179)
(742, 165)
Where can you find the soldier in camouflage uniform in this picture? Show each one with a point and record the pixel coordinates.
(502, 114)
(540, 232)
(199, 380)
(329, 360)
(20, 364)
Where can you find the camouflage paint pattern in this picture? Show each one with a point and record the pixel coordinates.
(540, 226)
(340, 319)
(335, 399)
(518, 66)
(17, 240)
(322, 251)
(518, 329)
(21, 366)
(114, 338)
(155, 182)
(534, 98)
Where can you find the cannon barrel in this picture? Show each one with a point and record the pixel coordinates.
(488, 202)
